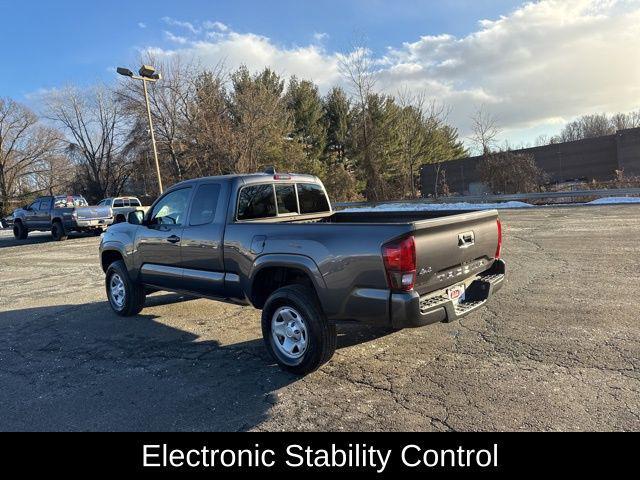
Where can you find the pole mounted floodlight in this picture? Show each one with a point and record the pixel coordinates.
(147, 73)
(124, 71)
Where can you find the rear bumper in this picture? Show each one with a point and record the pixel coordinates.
(411, 310)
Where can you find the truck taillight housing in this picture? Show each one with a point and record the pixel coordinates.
(499, 247)
(400, 263)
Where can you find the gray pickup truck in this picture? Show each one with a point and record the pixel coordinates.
(60, 214)
(273, 241)
(121, 207)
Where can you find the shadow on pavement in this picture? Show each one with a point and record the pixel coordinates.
(7, 239)
(81, 367)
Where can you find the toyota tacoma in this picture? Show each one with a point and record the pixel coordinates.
(273, 241)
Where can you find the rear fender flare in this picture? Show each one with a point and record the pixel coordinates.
(301, 262)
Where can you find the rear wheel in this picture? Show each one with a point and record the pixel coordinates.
(126, 297)
(19, 231)
(296, 331)
(57, 232)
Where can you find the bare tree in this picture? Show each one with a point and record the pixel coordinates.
(587, 126)
(622, 121)
(358, 69)
(171, 100)
(96, 131)
(25, 146)
(509, 172)
(484, 129)
(419, 123)
(55, 175)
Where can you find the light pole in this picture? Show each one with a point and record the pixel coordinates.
(146, 74)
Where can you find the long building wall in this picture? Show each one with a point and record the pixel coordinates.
(589, 159)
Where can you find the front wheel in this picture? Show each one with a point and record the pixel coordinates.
(296, 331)
(126, 297)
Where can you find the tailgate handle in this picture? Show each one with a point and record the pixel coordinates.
(466, 239)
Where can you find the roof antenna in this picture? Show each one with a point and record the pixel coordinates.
(270, 170)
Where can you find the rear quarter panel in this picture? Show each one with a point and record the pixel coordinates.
(348, 257)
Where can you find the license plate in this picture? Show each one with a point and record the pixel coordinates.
(456, 293)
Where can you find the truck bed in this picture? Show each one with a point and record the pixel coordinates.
(441, 259)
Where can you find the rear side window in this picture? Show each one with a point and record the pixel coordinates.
(256, 201)
(135, 202)
(312, 198)
(203, 207)
(286, 197)
(118, 203)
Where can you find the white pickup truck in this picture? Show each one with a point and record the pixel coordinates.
(121, 206)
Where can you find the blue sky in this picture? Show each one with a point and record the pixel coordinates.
(512, 56)
(71, 41)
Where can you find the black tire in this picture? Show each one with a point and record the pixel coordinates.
(57, 231)
(19, 231)
(134, 295)
(97, 232)
(119, 219)
(321, 336)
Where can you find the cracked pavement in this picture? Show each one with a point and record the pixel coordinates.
(558, 348)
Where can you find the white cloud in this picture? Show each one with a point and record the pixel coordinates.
(320, 36)
(258, 52)
(540, 65)
(142, 25)
(175, 38)
(221, 27)
(179, 23)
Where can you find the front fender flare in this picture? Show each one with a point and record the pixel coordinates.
(126, 256)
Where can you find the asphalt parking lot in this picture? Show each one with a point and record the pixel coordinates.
(557, 349)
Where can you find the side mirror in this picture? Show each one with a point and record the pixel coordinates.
(136, 217)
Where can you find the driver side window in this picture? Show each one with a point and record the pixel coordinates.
(171, 208)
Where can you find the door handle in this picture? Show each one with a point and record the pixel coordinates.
(173, 239)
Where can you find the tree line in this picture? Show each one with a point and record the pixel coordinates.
(362, 143)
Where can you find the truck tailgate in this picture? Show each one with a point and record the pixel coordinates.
(91, 213)
(452, 248)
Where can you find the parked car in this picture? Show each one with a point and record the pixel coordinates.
(121, 206)
(273, 241)
(7, 222)
(60, 214)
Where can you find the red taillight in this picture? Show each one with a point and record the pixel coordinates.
(499, 247)
(400, 263)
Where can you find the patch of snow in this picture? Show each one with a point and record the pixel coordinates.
(397, 207)
(614, 200)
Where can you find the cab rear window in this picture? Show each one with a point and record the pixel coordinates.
(271, 200)
(312, 198)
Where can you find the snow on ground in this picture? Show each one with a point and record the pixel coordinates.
(396, 207)
(613, 200)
